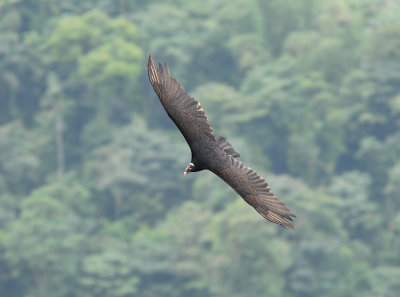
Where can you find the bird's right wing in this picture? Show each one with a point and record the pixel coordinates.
(185, 112)
(255, 191)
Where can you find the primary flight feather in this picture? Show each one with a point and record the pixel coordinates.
(214, 153)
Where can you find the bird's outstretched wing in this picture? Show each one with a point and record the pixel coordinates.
(185, 112)
(255, 191)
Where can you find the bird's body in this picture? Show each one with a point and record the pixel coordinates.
(214, 153)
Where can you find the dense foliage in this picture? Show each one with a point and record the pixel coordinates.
(93, 201)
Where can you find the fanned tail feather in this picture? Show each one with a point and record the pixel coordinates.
(226, 146)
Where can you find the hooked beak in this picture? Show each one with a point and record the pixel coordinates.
(188, 168)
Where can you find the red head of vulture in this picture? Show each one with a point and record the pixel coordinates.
(214, 153)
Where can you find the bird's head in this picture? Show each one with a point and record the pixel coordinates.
(189, 168)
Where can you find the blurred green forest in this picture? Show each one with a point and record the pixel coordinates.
(93, 201)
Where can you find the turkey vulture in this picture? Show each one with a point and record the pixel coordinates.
(214, 153)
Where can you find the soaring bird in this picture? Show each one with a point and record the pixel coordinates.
(214, 153)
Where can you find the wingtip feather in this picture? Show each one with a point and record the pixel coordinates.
(275, 218)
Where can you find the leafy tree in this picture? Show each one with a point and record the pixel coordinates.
(237, 269)
(42, 247)
(108, 271)
(21, 158)
(97, 74)
(135, 165)
(167, 257)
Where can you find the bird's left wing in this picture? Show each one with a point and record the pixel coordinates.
(185, 112)
(255, 191)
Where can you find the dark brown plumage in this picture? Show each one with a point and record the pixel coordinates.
(214, 153)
